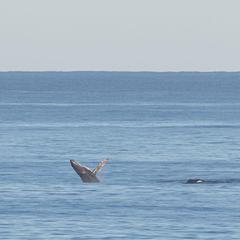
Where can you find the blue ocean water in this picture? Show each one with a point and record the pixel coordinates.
(158, 129)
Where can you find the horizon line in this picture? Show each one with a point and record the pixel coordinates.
(112, 71)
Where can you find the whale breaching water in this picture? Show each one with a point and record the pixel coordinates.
(86, 174)
(195, 180)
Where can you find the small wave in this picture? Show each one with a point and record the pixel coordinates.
(169, 104)
(126, 124)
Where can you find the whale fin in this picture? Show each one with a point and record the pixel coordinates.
(99, 166)
(84, 172)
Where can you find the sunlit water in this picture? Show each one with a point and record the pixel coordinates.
(157, 129)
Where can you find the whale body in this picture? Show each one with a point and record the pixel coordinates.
(86, 174)
(195, 181)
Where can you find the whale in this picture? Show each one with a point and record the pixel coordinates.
(212, 181)
(86, 174)
(195, 181)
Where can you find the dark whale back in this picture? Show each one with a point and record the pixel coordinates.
(195, 181)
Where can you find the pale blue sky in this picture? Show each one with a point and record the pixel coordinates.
(130, 35)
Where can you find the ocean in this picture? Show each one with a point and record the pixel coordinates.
(157, 129)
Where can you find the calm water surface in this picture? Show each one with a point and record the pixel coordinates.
(158, 129)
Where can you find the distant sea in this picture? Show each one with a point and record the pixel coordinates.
(158, 129)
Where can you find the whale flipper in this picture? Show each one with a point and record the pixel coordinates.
(86, 174)
(100, 166)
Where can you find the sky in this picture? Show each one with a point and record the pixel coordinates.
(119, 35)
